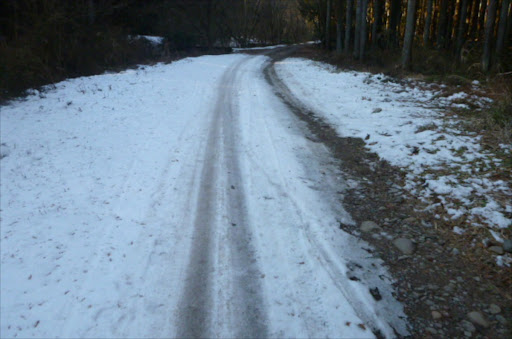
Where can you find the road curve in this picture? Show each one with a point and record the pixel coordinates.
(266, 257)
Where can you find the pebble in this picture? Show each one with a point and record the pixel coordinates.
(377, 110)
(507, 245)
(455, 251)
(406, 246)
(368, 226)
(478, 319)
(501, 319)
(497, 249)
(436, 315)
(466, 325)
(409, 220)
(431, 330)
(494, 309)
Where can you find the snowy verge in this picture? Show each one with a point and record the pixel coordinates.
(404, 124)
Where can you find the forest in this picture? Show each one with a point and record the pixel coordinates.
(466, 32)
(43, 41)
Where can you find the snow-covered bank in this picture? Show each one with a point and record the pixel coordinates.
(405, 126)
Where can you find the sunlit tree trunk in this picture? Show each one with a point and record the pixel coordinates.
(473, 24)
(481, 19)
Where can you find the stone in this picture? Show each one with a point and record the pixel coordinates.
(377, 110)
(376, 293)
(436, 315)
(466, 325)
(507, 245)
(368, 226)
(497, 249)
(477, 318)
(494, 309)
(409, 220)
(406, 246)
(431, 330)
(501, 319)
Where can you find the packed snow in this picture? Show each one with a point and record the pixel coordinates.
(103, 186)
(404, 124)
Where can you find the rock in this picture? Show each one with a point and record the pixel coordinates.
(455, 251)
(377, 110)
(406, 246)
(496, 249)
(430, 330)
(494, 309)
(375, 293)
(368, 226)
(436, 315)
(507, 245)
(478, 319)
(501, 319)
(467, 326)
(410, 220)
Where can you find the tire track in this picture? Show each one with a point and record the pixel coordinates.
(215, 198)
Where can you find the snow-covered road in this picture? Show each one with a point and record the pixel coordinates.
(179, 200)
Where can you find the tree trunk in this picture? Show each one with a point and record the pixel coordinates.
(451, 25)
(364, 28)
(409, 34)
(91, 12)
(377, 23)
(481, 19)
(339, 27)
(394, 21)
(357, 32)
(508, 31)
(443, 19)
(473, 24)
(461, 34)
(502, 28)
(489, 33)
(348, 27)
(428, 23)
(328, 25)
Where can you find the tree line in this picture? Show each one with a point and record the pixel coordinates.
(462, 29)
(43, 41)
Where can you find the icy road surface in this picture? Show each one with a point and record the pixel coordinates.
(178, 200)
